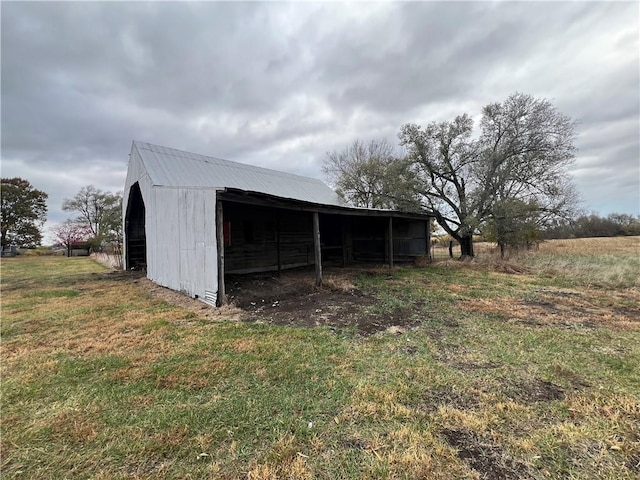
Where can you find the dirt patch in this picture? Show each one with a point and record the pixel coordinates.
(458, 356)
(533, 391)
(438, 397)
(485, 456)
(293, 299)
(627, 312)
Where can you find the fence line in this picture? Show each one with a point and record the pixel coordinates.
(440, 251)
(108, 260)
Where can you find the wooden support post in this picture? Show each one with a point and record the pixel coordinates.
(390, 242)
(222, 296)
(278, 242)
(316, 248)
(428, 225)
(344, 241)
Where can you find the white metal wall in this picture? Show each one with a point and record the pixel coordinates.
(180, 233)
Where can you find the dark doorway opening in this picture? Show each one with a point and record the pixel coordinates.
(135, 230)
(333, 239)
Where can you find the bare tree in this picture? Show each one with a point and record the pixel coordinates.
(371, 175)
(522, 154)
(112, 235)
(92, 205)
(101, 212)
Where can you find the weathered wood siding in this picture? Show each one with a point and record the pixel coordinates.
(410, 238)
(370, 239)
(256, 232)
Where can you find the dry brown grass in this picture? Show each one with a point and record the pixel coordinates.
(284, 461)
(611, 262)
(488, 263)
(554, 306)
(338, 283)
(593, 245)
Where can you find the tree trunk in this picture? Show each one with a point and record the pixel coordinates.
(466, 246)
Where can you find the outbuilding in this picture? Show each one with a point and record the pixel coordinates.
(190, 219)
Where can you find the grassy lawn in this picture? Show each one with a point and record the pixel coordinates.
(529, 375)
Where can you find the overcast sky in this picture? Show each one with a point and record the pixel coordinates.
(280, 84)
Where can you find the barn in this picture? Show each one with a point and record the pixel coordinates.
(190, 219)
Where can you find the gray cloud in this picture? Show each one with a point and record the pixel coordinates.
(280, 84)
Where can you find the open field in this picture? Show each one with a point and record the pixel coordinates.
(606, 262)
(593, 246)
(455, 370)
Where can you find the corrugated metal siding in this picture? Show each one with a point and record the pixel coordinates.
(180, 234)
(163, 242)
(185, 251)
(176, 168)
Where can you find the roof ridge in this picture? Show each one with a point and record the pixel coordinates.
(229, 163)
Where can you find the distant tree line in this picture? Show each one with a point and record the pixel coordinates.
(593, 225)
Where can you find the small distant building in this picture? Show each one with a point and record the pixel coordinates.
(9, 251)
(80, 249)
(190, 219)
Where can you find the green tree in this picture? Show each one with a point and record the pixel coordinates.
(522, 153)
(24, 210)
(513, 223)
(371, 175)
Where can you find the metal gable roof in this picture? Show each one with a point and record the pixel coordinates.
(176, 168)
